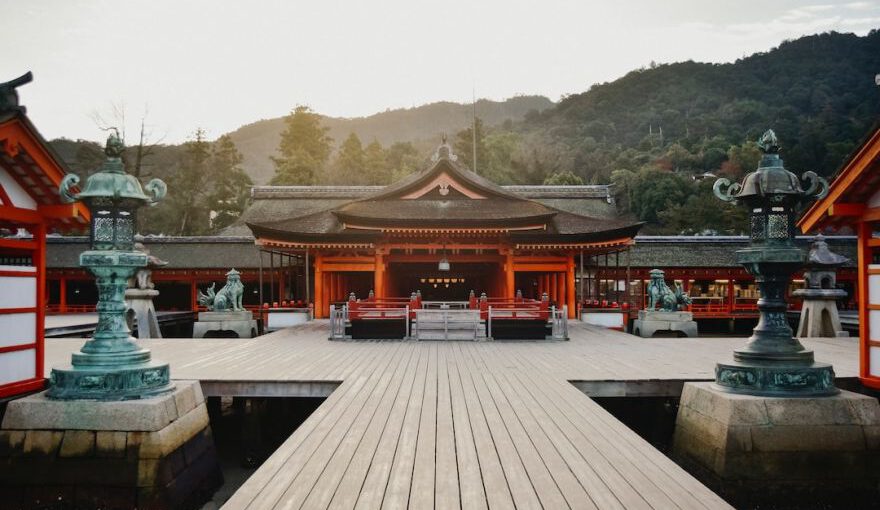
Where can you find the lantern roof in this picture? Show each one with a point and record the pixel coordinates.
(822, 256)
(771, 177)
(112, 182)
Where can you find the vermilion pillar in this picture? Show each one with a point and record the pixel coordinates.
(319, 287)
(569, 289)
(379, 275)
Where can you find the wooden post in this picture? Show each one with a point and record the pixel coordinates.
(508, 271)
(39, 261)
(193, 295)
(864, 232)
(730, 295)
(319, 287)
(379, 275)
(569, 288)
(62, 302)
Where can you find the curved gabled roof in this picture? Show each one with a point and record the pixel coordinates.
(446, 195)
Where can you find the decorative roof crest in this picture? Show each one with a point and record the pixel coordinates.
(444, 151)
(768, 142)
(8, 94)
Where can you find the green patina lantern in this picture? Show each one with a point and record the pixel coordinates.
(773, 362)
(111, 365)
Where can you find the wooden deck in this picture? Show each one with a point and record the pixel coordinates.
(460, 424)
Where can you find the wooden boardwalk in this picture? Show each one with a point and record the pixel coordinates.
(461, 424)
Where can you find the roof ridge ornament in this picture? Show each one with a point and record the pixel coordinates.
(9, 96)
(444, 151)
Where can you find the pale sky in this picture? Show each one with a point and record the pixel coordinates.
(220, 64)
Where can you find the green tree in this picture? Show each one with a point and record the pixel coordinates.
(402, 159)
(189, 187)
(501, 150)
(350, 160)
(742, 159)
(564, 178)
(304, 149)
(654, 191)
(704, 214)
(464, 146)
(230, 186)
(376, 164)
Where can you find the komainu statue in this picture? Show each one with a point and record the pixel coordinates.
(660, 295)
(226, 299)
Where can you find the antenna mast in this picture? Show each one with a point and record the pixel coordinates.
(474, 128)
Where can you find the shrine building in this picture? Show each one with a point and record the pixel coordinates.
(442, 232)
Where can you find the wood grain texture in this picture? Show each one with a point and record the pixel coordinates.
(462, 424)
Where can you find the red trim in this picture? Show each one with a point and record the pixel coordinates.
(17, 244)
(20, 347)
(25, 386)
(39, 261)
(20, 274)
(8, 311)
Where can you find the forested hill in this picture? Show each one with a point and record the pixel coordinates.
(817, 92)
(421, 125)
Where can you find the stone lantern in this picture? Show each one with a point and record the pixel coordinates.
(111, 365)
(773, 362)
(819, 317)
(772, 425)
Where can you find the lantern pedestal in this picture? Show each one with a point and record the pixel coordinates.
(773, 362)
(653, 321)
(765, 451)
(111, 365)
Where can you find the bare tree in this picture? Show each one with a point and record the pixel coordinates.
(147, 142)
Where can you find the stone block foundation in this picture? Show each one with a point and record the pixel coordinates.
(151, 453)
(786, 452)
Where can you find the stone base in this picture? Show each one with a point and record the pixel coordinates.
(650, 322)
(153, 453)
(240, 323)
(819, 319)
(140, 306)
(780, 451)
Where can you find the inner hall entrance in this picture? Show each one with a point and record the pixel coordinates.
(453, 285)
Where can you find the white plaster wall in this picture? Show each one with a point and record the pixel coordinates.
(17, 292)
(18, 328)
(17, 366)
(18, 195)
(874, 361)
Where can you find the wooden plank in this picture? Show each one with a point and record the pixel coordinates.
(542, 481)
(326, 476)
(497, 491)
(446, 492)
(400, 477)
(422, 487)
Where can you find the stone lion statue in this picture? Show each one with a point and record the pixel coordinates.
(660, 295)
(226, 299)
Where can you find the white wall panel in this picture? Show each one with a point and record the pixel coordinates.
(874, 361)
(18, 329)
(18, 292)
(874, 289)
(17, 366)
